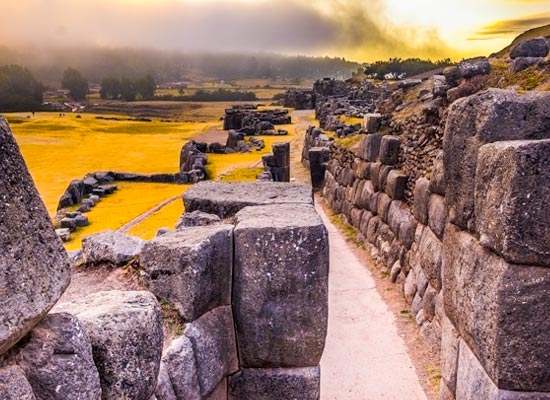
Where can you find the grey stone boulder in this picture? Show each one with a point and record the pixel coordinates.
(280, 285)
(512, 197)
(474, 66)
(371, 122)
(490, 116)
(197, 218)
(421, 195)
(125, 329)
(275, 384)
(496, 307)
(111, 247)
(81, 221)
(521, 63)
(191, 268)
(396, 184)
(430, 253)
(64, 234)
(537, 47)
(449, 353)
(57, 359)
(14, 384)
(178, 378)
(227, 198)
(437, 181)
(68, 223)
(214, 344)
(34, 268)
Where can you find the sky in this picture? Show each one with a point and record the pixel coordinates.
(360, 30)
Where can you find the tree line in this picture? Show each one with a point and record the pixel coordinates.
(128, 89)
(398, 66)
(19, 89)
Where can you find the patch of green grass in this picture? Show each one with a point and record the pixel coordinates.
(434, 377)
(384, 274)
(349, 141)
(171, 317)
(349, 231)
(405, 312)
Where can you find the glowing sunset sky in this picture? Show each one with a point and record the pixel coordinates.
(362, 30)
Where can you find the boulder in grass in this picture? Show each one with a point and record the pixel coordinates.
(536, 47)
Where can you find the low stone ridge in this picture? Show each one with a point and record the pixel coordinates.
(280, 289)
(57, 359)
(275, 384)
(34, 268)
(14, 384)
(125, 329)
(111, 247)
(213, 340)
(191, 268)
(228, 198)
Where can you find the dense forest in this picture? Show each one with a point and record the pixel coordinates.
(408, 67)
(19, 89)
(97, 63)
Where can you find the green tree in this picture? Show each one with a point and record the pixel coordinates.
(19, 90)
(75, 83)
(146, 87)
(110, 88)
(128, 89)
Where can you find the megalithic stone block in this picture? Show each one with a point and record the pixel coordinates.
(275, 384)
(280, 292)
(389, 150)
(34, 268)
(512, 200)
(191, 268)
(369, 147)
(371, 122)
(500, 311)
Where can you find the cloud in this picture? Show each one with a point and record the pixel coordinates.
(511, 26)
(356, 29)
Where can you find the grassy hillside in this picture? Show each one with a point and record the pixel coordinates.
(530, 34)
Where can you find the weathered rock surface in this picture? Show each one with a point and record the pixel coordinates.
(490, 116)
(226, 199)
(474, 66)
(14, 384)
(537, 47)
(34, 269)
(57, 359)
(178, 372)
(275, 384)
(512, 197)
(214, 345)
(280, 285)
(196, 218)
(125, 329)
(191, 268)
(111, 247)
(496, 307)
(369, 147)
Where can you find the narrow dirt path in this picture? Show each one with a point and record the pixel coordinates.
(364, 358)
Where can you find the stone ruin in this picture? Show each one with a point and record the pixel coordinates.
(300, 99)
(277, 164)
(466, 239)
(262, 262)
(254, 122)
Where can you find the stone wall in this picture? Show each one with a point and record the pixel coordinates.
(252, 291)
(466, 239)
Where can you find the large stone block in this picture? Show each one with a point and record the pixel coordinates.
(512, 197)
(178, 378)
(437, 181)
(430, 251)
(57, 359)
(125, 329)
(214, 345)
(14, 384)
(437, 215)
(191, 268)
(280, 292)
(276, 384)
(369, 147)
(226, 199)
(490, 116)
(396, 184)
(449, 354)
(371, 122)
(421, 195)
(34, 268)
(497, 308)
(389, 150)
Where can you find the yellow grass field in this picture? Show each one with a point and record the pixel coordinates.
(59, 149)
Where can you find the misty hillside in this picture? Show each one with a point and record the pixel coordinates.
(97, 63)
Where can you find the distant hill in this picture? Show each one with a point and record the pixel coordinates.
(530, 34)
